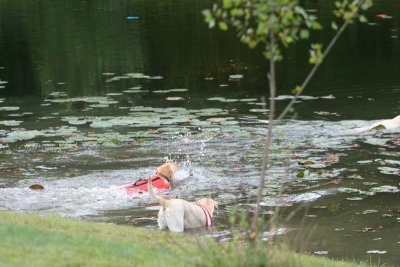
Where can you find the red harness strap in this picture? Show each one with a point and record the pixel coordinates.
(207, 214)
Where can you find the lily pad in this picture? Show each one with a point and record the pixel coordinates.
(216, 99)
(77, 122)
(348, 190)
(355, 176)
(135, 91)
(365, 161)
(321, 252)
(376, 252)
(58, 94)
(179, 90)
(389, 170)
(9, 108)
(261, 110)
(161, 91)
(101, 124)
(328, 97)
(99, 106)
(368, 212)
(236, 76)
(174, 98)
(114, 94)
(156, 78)
(248, 99)
(10, 123)
(354, 198)
(385, 189)
(137, 75)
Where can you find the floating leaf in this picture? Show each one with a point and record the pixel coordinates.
(137, 75)
(9, 108)
(321, 252)
(101, 124)
(136, 91)
(385, 189)
(10, 123)
(262, 110)
(36, 187)
(77, 122)
(19, 135)
(355, 176)
(389, 170)
(354, 198)
(179, 90)
(248, 99)
(328, 97)
(348, 190)
(114, 94)
(370, 183)
(376, 252)
(236, 76)
(156, 78)
(216, 120)
(99, 106)
(175, 98)
(216, 99)
(161, 91)
(369, 212)
(58, 94)
(365, 161)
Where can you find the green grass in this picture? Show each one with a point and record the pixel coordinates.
(33, 240)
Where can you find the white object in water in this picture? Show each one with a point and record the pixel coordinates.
(390, 125)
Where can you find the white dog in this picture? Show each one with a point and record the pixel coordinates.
(178, 214)
(390, 125)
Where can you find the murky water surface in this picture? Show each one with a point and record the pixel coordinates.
(84, 114)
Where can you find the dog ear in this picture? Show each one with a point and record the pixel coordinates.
(216, 206)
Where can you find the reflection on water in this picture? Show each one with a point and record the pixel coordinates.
(90, 100)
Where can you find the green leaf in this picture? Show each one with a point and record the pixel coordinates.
(363, 19)
(334, 25)
(211, 24)
(223, 26)
(304, 34)
(227, 4)
(300, 174)
(296, 90)
(315, 25)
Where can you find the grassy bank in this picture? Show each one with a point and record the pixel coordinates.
(32, 240)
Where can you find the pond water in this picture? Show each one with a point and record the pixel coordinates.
(91, 99)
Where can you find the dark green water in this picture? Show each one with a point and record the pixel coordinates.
(86, 48)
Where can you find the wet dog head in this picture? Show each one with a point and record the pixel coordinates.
(167, 170)
(209, 204)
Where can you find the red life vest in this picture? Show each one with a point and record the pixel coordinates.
(140, 186)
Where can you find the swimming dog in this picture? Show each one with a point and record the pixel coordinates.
(179, 214)
(162, 180)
